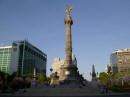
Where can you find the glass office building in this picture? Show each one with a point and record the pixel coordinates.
(5, 58)
(25, 57)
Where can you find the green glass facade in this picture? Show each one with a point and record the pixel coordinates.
(5, 58)
(29, 57)
(22, 57)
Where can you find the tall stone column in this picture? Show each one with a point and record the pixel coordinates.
(68, 71)
(68, 59)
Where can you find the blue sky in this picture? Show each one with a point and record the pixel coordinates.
(100, 27)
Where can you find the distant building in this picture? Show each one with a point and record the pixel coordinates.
(120, 60)
(24, 57)
(5, 58)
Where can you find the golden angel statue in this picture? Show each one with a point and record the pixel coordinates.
(68, 9)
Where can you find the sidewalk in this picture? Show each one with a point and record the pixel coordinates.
(80, 95)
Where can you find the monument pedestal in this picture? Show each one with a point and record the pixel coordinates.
(69, 74)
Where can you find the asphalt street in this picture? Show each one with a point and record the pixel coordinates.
(113, 95)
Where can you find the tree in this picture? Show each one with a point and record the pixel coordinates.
(103, 76)
(4, 80)
(27, 82)
(41, 78)
(48, 80)
(27, 75)
(118, 75)
(128, 71)
(17, 83)
(106, 78)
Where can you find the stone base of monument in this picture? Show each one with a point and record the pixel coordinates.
(66, 83)
(69, 77)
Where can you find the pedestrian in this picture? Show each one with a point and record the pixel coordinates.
(106, 90)
(102, 89)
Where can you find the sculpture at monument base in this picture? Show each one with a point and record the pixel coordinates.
(57, 64)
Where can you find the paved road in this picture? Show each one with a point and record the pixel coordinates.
(112, 95)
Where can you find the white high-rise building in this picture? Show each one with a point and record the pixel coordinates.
(120, 60)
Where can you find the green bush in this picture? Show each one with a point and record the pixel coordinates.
(117, 89)
(17, 83)
(27, 82)
(41, 78)
(27, 75)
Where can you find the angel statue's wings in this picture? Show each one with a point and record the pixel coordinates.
(68, 9)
